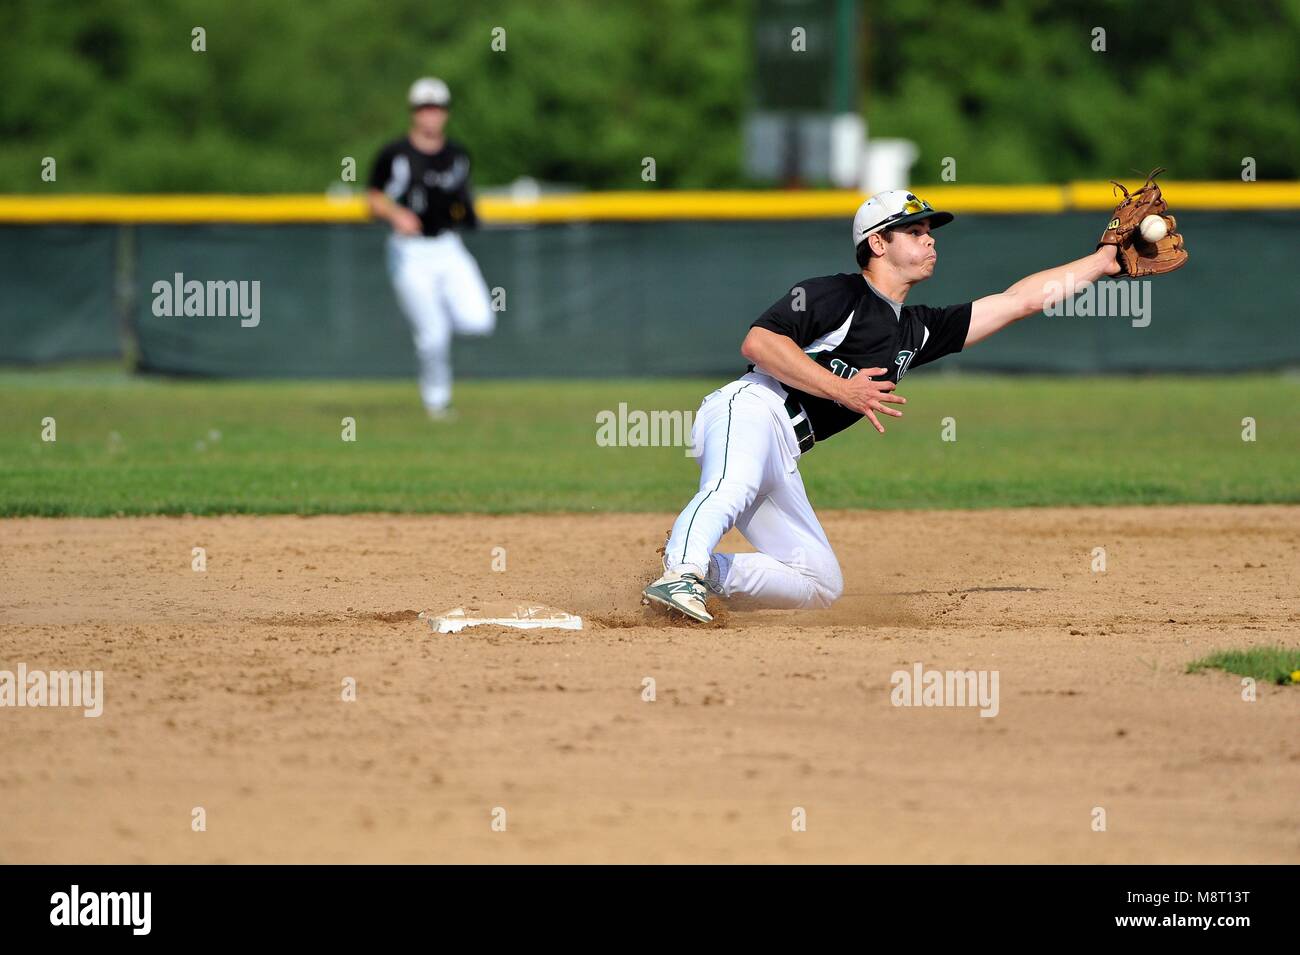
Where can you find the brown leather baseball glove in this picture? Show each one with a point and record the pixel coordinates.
(1136, 256)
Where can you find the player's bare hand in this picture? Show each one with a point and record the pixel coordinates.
(863, 394)
(406, 222)
(1109, 257)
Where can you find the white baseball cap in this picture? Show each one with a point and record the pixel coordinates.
(429, 91)
(892, 209)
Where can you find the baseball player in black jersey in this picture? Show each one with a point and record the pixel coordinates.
(419, 184)
(825, 355)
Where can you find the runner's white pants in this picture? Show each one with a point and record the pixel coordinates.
(749, 479)
(440, 289)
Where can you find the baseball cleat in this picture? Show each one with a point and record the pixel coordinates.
(684, 593)
(713, 577)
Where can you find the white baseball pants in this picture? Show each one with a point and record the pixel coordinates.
(440, 290)
(749, 479)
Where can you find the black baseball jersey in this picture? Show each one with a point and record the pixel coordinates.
(844, 325)
(435, 186)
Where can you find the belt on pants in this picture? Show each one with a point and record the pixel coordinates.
(803, 429)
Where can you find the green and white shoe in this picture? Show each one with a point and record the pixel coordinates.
(684, 593)
(712, 580)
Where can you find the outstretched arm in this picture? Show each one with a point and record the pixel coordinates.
(1037, 292)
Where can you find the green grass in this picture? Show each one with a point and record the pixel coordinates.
(1273, 664)
(530, 446)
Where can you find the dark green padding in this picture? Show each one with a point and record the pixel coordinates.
(619, 299)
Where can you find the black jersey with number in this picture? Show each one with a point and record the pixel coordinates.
(844, 325)
(435, 186)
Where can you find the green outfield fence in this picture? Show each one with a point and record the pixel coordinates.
(615, 294)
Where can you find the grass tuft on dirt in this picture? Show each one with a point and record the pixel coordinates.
(1279, 665)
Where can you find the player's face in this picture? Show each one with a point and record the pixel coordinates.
(912, 251)
(429, 120)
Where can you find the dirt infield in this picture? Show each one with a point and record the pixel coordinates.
(223, 690)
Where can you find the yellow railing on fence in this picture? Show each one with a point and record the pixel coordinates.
(636, 206)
